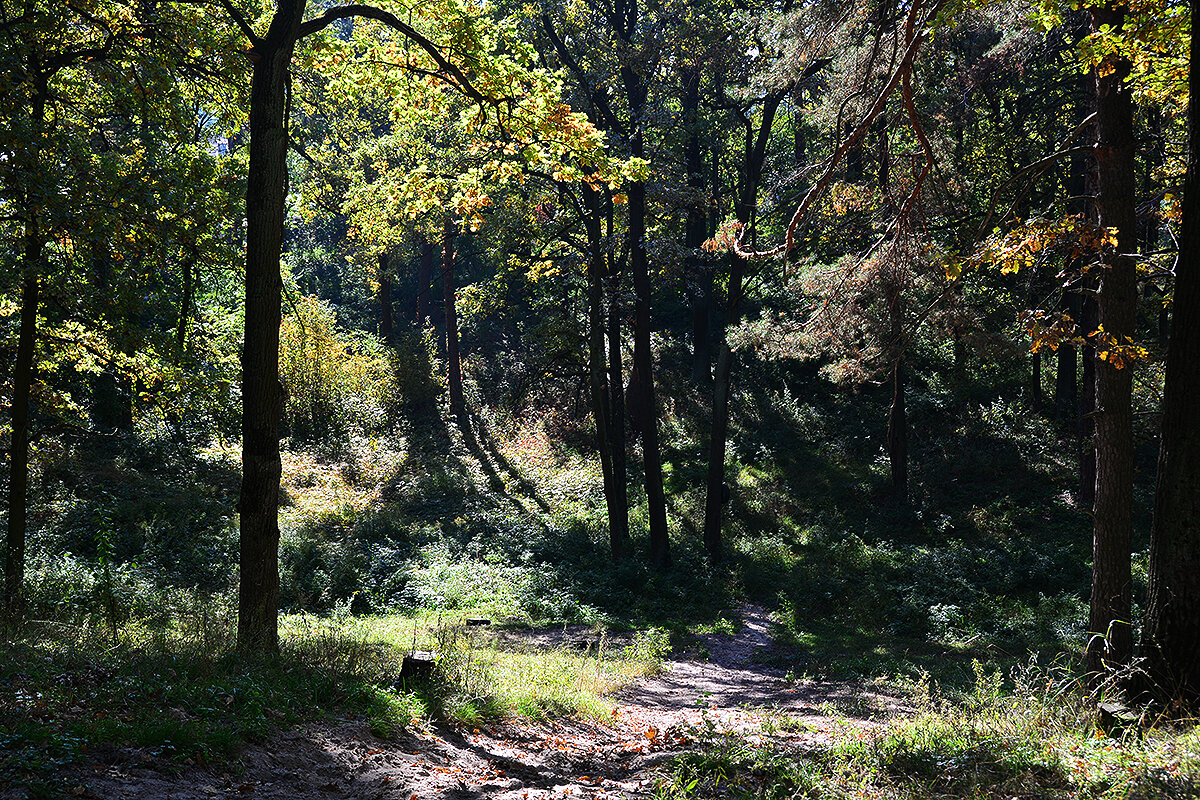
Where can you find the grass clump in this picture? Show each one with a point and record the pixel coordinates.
(1033, 736)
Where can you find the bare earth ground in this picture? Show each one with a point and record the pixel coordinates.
(655, 719)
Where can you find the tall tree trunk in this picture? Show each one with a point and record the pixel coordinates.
(744, 206)
(1110, 643)
(262, 396)
(643, 357)
(187, 300)
(1066, 365)
(454, 377)
(715, 493)
(385, 300)
(424, 274)
(699, 275)
(897, 433)
(23, 369)
(1171, 638)
(597, 374)
(18, 462)
(1087, 400)
(619, 516)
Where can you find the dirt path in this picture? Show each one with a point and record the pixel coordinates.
(731, 689)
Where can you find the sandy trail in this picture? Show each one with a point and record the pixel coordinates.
(731, 689)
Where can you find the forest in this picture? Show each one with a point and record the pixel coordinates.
(679, 399)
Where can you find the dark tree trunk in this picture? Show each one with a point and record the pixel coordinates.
(187, 300)
(698, 272)
(747, 199)
(854, 157)
(1066, 366)
(454, 378)
(616, 388)
(643, 357)
(18, 463)
(1110, 643)
(1036, 399)
(385, 300)
(1171, 639)
(262, 396)
(1087, 402)
(897, 434)
(597, 374)
(424, 275)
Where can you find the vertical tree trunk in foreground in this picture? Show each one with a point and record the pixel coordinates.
(643, 357)
(1110, 643)
(458, 400)
(18, 463)
(597, 374)
(258, 592)
(1171, 638)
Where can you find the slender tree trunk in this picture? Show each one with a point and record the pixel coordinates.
(715, 494)
(458, 400)
(1171, 638)
(619, 510)
(1110, 644)
(1036, 398)
(1066, 365)
(385, 300)
(597, 375)
(1087, 402)
(744, 207)
(262, 396)
(643, 357)
(18, 463)
(897, 435)
(699, 275)
(424, 274)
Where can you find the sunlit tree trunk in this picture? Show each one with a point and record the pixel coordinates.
(262, 397)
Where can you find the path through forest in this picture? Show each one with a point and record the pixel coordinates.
(723, 685)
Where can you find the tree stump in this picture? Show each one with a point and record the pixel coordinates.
(419, 665)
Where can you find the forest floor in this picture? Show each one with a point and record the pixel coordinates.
(722, 683)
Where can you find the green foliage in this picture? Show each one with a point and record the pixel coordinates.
(334, 382)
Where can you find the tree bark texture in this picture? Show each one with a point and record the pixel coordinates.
(1171, 637)
(1110, 643)
(262, 396)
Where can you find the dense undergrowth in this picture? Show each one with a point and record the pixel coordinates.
(385, 532)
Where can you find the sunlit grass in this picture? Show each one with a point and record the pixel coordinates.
(1031, 736)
